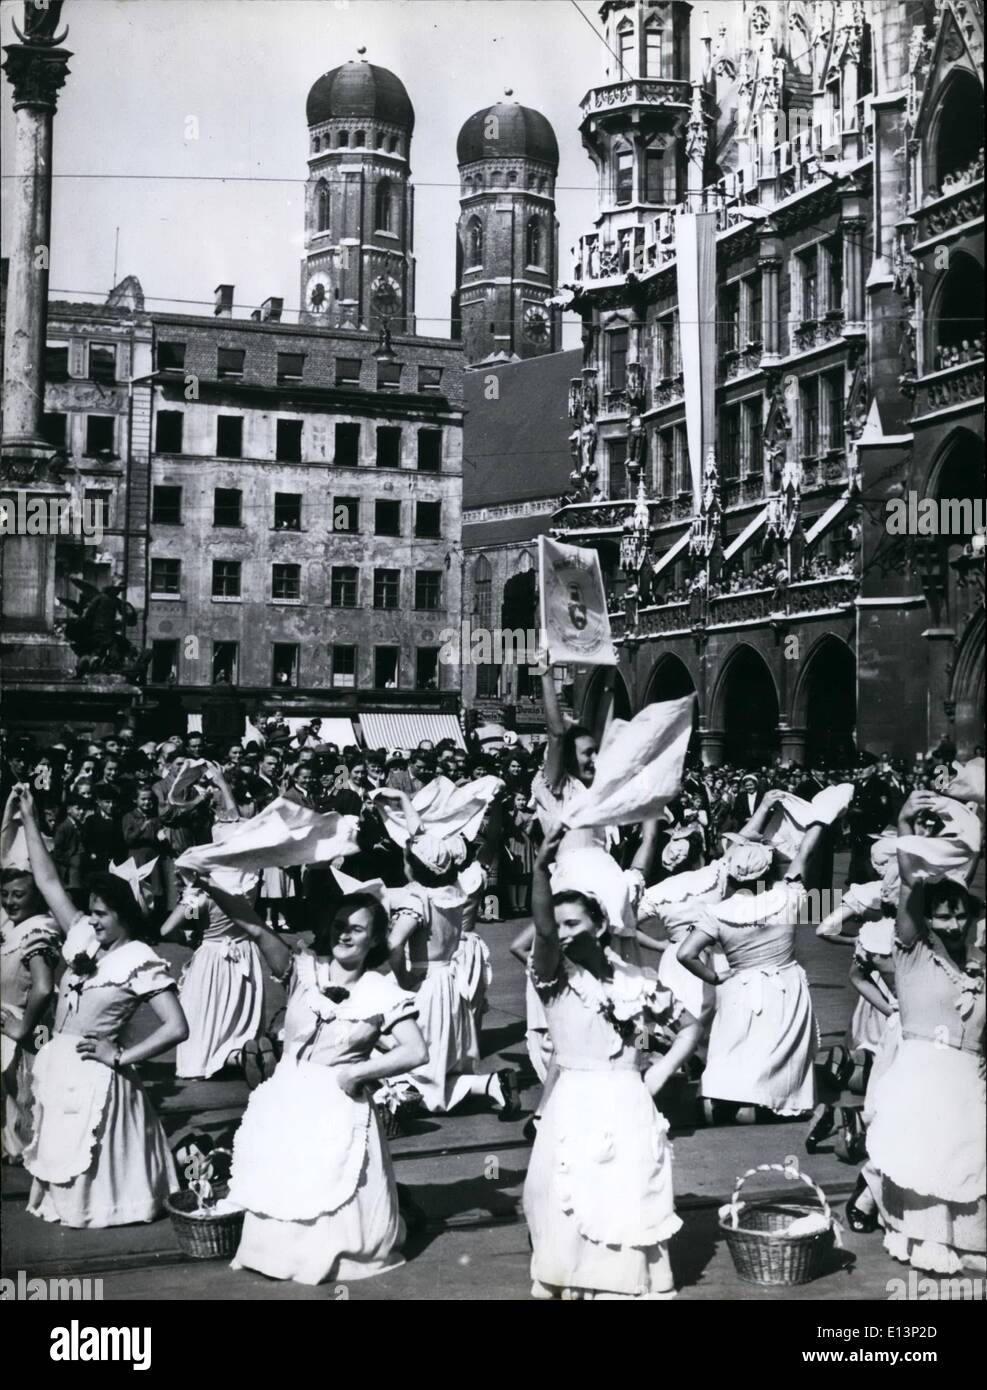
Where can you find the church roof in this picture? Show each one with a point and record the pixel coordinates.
(360, 91)
(519, 133)
(516, 448)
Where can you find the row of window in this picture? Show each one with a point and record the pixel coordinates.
(231, 365)
(818, 428)
(384, 206)
(286, 665)
(534, 243)
(286, 512)
(356, 139)
(101, 365)
(286, 584)
(169, 438)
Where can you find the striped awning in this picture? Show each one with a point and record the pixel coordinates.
(748, 533)
(408, 730)
(824, 522)
(671, 554)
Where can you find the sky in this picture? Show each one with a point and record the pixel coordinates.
(208, 97)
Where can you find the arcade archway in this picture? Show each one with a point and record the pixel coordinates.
(746, 709)
(825, 704)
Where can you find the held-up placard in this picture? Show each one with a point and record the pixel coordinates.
(574, 615)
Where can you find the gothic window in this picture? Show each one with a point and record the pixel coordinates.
(654, 177)
(624, 174)
(652, 51)
(383, 206)
(957, 336)
(322, 206)
(625, 49)
(957, 135)
(474, 241)
(482, 588)
(617, 344)
(533, 251)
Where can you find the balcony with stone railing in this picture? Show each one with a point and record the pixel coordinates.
(738, 492)
(668, 389)
(738, 361)
(828, 595)
(643, 91)
(609, 517)
(961, 384)
(813, 333)
(824, 470)
(742, 607)
(942, 213)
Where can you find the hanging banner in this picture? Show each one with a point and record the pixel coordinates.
(695, 258)
(574, 618)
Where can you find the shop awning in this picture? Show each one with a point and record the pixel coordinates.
(671, 554)
(822, 523)
(747, 534)
(408, 730)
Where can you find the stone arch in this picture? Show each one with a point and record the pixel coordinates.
(967, 692)
(954, 308)
(670, 679)
(593, 694)
(955, 127)
(825, 702)
(745, 706)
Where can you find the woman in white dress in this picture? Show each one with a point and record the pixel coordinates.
(29, 945)
(598, 1197)
(98, 1153)
(762, 1045)
(311, 1166)
(221, 989)
(925, 1139)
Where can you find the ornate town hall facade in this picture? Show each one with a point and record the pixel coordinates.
(779, 336)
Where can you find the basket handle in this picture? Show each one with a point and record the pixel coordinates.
(790, 1173)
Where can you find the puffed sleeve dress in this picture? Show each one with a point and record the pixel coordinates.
(98, 1154)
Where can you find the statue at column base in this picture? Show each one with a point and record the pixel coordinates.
(27, 462)
(96, 632)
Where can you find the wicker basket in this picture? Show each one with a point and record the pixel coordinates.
(757, 1234)
(207, 1235)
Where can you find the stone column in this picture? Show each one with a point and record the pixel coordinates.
(792, 744)
(853, 224)
(711, 746)
(36, 73)
(769, 263)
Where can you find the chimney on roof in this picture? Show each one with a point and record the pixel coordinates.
(270, 310)
(224, 302)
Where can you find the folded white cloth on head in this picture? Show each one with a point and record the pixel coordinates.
(952, 854)
(638, 768)
(593, 872)
(441, 808)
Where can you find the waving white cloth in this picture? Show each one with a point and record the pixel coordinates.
(638, 768)
(441, 809)
(283, 834)
(791, 816)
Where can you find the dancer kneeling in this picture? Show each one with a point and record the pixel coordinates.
(310, 1163)
(598, 1197)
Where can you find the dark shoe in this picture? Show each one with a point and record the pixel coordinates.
(851, 1139)
(821, 1130)
(863, 1222)
(512, 1094)
(530, 1131)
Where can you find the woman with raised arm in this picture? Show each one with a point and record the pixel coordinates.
(598, 1197)
(570, 766)
(310, 1162)
(925, 1141)
(29, 946)
(98, 1153)
(762, 1045)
